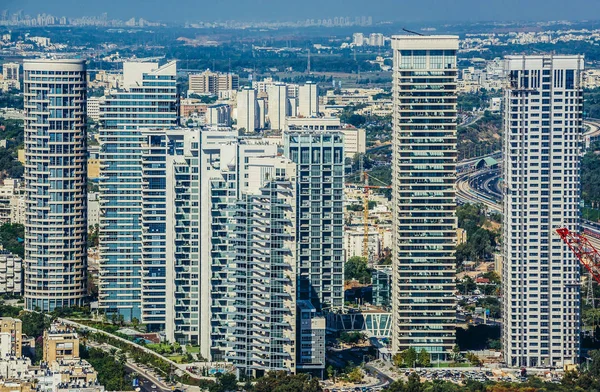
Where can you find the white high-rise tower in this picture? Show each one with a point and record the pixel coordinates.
(543, 107)
(55, 178)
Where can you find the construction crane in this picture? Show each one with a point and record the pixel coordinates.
(584, 250)
(367, 188)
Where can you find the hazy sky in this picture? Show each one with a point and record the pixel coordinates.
(396, 10)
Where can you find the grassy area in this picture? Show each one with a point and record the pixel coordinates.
(192, 349)
(176, 358)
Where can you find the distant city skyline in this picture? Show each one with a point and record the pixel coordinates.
(270, 10)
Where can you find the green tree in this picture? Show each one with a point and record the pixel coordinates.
(355, 376)
(424, 358)
(414, 383)
(410, 357)
(357, 268)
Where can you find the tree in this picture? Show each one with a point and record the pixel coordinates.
(414, 383)
(226, 382)
(355, 376)
(356, 268)
(424, 358)
(455, 353)
(398, 359)
(410, 357)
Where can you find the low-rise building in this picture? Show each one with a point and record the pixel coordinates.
(93, 209)
(11, 331)
(355, 141)
(60, 344)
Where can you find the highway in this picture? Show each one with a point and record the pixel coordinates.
(483, 186)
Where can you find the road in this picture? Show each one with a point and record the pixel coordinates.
(466, 193)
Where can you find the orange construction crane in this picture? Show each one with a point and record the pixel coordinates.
(368, 187)
(584, 250)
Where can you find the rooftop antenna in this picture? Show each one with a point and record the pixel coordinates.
(411, 32)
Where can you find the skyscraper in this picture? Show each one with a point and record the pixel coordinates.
(263, 281)
(149, 100)
(55, 177)
(543, 126)
(320, 217)
(423, 195)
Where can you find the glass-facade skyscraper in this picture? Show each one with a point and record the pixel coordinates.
(423, 193)
(55, 178)
(148, 100)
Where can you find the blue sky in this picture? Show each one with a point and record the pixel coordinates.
(395, 10)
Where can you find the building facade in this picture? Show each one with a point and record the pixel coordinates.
(278, 105)
(320, 217)
(423, 193)
(263, 331)
(11, 273)
(543, 107)
(55, 180)
(209, 82)
(308, 100)
(247, 110)
(148, 100)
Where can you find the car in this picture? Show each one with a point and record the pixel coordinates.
(153, 386)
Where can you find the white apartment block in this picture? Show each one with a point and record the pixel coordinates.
(93, 108)
(423, 193)
(278, 106)
(543, 127)
(11, 273)
(93, 209)
(247, 110)
(308, 100)
(11, 75)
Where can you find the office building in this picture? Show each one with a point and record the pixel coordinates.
(11, 273)
(320, 218)
(308, 100)
(209, 82)
(55, 179)
(313, 123)
(381, 279)
(543, 106)
(11, 337)
(423, 193)
(263, 334)
(247, 110)
(278, 106)
(355, 141)
(148, 100)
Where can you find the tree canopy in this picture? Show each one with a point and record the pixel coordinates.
(356, 268)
